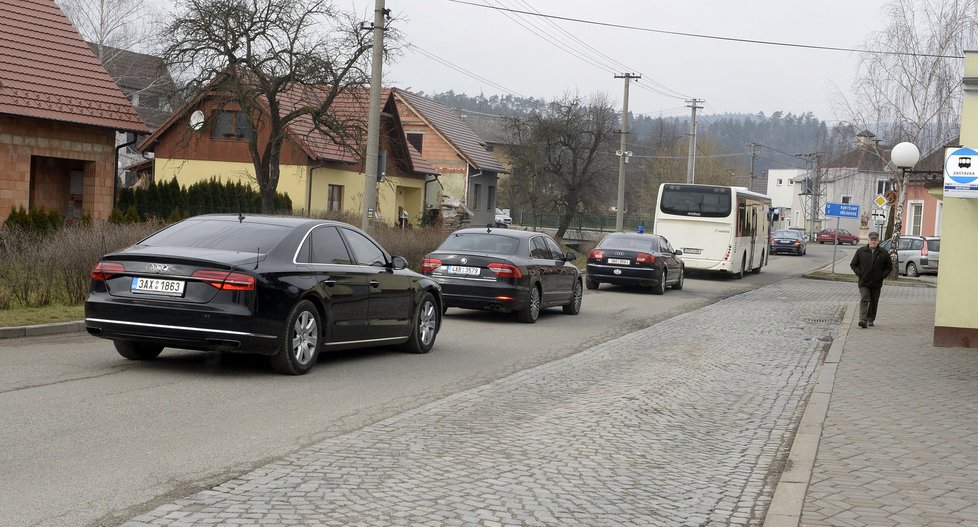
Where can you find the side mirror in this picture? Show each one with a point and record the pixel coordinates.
(570, 256)
(678, 252)
(398, 262)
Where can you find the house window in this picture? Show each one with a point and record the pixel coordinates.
(916, 219)
(230, 124)
(476, 190)
(883, 186)
(846, 199)
(334, 198)
(416, 139)
(491, 198)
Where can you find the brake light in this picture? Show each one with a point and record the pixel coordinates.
(105, 270)
(596, 254)
(430, 264)
(226, 281)
(505, 270)
(644, 258)
(923, 249)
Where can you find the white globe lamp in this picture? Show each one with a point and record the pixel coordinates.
(905, 155)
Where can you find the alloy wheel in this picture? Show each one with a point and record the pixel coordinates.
(428, 323)
(305, 337)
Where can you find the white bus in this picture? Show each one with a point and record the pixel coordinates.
(718, 228)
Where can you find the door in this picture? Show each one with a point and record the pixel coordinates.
(391, 305)
(566, 273)
(543, 260)
(341, 284)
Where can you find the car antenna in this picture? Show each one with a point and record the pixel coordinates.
(488, 227)
(240, 217)
(257, 257)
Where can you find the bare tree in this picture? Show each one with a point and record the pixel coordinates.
(564, 159)
(912, 92)
(278, 62)
(112, 25)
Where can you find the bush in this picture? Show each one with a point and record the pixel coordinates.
(171, 201)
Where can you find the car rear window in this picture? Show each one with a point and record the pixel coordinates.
(481, 243)
(786, 234)
(934, 245)
(629, 243)
(221, 235)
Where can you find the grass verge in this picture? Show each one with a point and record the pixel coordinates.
(29, 316)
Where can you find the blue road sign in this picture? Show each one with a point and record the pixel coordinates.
(842, 210)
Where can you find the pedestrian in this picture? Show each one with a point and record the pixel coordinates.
(872, 265)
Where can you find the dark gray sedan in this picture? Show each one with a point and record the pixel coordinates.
(639, 259)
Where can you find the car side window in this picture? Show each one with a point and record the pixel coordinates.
(365, 252)
(904, 244)
(538, 249)
(555, 251)
(916, 245)
(325, 246)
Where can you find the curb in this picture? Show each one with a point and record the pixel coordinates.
(789, 496)
(40, 330)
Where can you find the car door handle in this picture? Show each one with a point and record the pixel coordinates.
(374, 283)
(328, 283)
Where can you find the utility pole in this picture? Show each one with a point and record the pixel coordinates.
(373, 121)
(691, 166)
(814, 186)
(623, 154)
(753, 152)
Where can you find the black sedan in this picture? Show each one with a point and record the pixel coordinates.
(505, 270)
(788, 241)
(285, 287)
(635, 259)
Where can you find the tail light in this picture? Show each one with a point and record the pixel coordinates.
(923, 249)
(726, 256)
(505, 270)
(644, 258)
(105, 270)
(226, 281)
(430, 264)
(596, 254)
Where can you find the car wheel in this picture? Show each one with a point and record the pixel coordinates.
(299, 347)
(821, 243)
(592, 283)
(574, 307)
(426, 326)
(912, 270)
(137, 350)
(682, 276)
(532, 311)
(660, 288)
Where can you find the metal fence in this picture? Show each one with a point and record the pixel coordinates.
(591, 222)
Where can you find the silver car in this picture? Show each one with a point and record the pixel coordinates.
(916, 255)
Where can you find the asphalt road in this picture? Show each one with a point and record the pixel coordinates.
(88, 438)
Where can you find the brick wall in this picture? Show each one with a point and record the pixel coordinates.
(91, 149)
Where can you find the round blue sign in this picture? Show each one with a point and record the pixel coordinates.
(962, 166)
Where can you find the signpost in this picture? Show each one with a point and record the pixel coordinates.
(961, 174)
(839, 211)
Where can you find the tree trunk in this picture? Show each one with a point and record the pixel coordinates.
(898, 223)
(565, 219)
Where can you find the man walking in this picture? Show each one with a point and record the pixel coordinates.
(872, 265)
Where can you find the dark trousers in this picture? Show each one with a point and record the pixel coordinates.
(869, 298)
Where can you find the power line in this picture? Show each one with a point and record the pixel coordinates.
(716, 37)
(464, 71)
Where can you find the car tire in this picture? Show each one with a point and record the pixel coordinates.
(678, 286)
(660, 288)
(299, 347)
(533, 306)
(426, 326)
(912, 270)
(577, 297)
(137, 350)
(592, 283)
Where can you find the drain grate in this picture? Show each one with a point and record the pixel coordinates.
(819, 320)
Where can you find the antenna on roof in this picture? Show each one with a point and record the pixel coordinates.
(257, 257)
(240, 217)
(488, 227)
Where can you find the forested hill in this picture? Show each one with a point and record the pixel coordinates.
(779, 135)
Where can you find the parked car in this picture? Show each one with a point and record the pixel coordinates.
(503, 219)
(830, 236)
(916, 255)
(788, 241)
(505, 270)
(637, 259)
(280, 286)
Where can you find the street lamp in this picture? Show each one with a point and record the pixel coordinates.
(904, 156)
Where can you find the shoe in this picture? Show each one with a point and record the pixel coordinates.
(870, 323)
(862, 323)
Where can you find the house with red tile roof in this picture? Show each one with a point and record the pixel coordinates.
(469, 172)
(320, 171)
(59, 114)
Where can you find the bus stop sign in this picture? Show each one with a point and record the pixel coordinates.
(842, 210)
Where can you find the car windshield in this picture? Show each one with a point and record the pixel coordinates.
(786, 234)
(219, 234)
(481, 243)
(627, 242)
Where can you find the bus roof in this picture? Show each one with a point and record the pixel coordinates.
(741, 191)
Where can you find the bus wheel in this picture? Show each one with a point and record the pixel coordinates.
(743, 264)
(757, 270)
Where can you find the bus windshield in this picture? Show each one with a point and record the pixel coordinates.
(690, 200)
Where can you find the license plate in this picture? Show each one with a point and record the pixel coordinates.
(157, 286)
(687, 250)
(468, 271)
(619, 261)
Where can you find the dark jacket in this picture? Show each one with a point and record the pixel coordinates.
(871, 266)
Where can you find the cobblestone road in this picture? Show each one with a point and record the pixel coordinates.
(682, 423)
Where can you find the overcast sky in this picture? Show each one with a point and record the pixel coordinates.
(729, 76)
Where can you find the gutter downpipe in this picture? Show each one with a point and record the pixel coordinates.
(115, 168)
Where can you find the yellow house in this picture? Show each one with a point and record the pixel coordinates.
(956, 319)
(206, 139)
